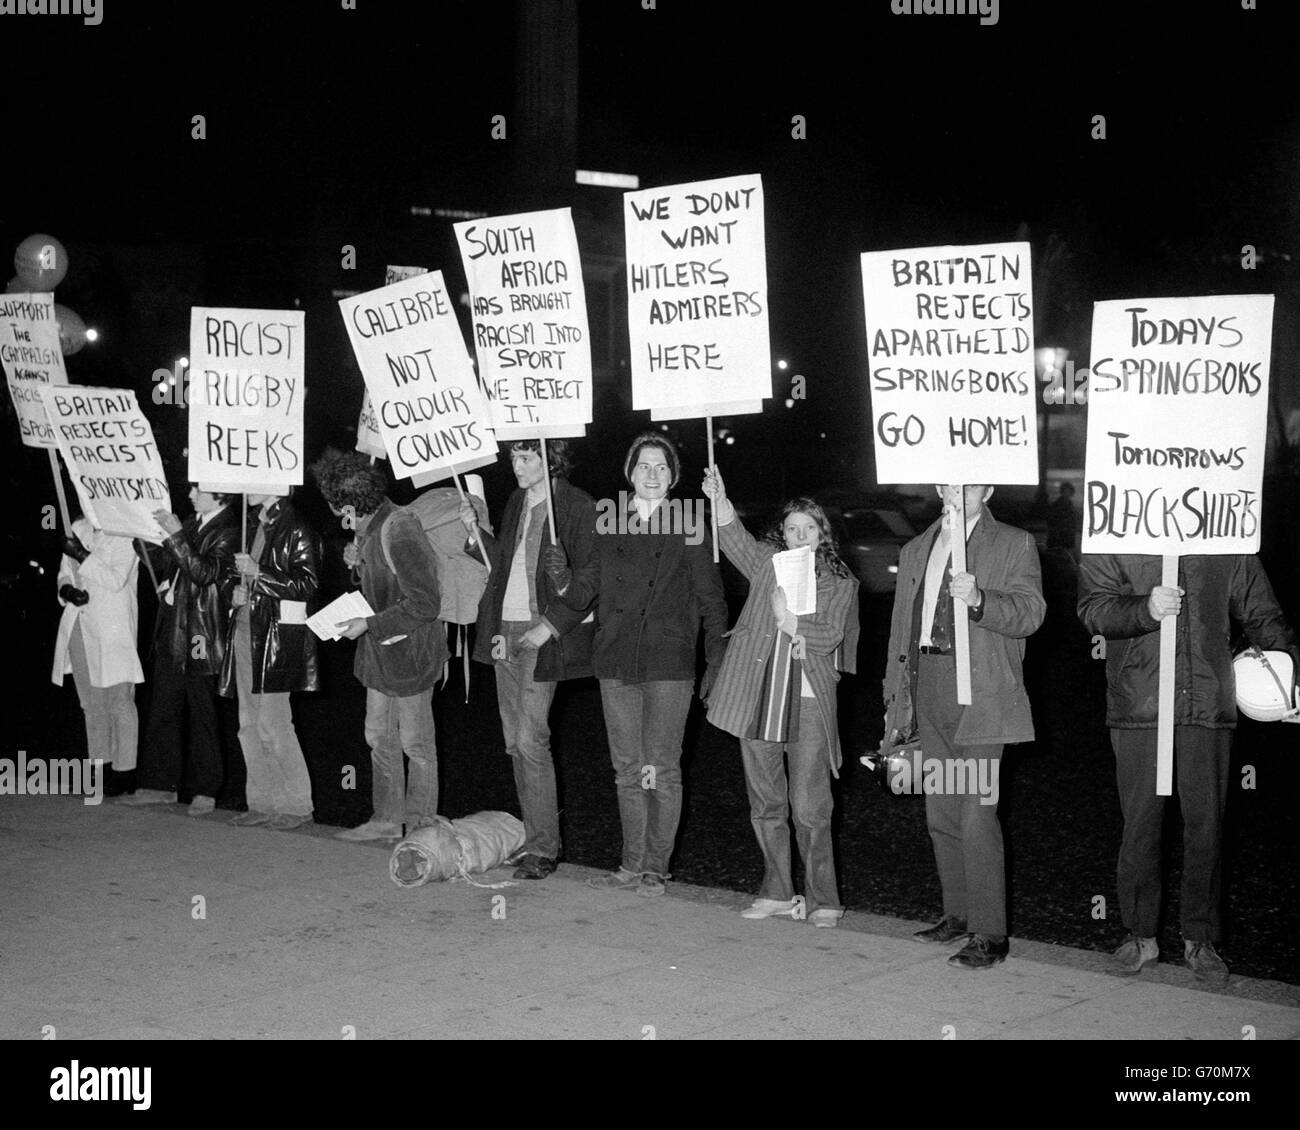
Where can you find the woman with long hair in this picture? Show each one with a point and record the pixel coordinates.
(776, 693)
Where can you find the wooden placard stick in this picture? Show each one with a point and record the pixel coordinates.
(58, 490)
(1165, 702)
(546, 478)
(960, 625)
(713, 510)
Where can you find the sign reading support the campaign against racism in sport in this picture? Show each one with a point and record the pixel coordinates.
(369, 441)
(246, 394)
(950, 338)
(530, 322)
(32, 358)
(697, 298)
(432, 414)
(111, 456)
(1177, 421)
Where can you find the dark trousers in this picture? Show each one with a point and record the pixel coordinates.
(1201, 763)
(161, 757)
(965, 832)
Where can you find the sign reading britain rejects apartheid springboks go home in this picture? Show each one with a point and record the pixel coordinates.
(950, 338)
(246, 394)
(1177, 420)
(530, 322)
(432, 414)
(369, 441)
(697, 298)
(32, 359)
(109, 448)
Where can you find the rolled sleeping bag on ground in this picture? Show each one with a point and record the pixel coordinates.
(449, 849)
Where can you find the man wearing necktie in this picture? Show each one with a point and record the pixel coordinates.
(961, 746)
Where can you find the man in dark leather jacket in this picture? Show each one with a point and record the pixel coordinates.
(197, 564)
(270, 651)
(1121, 598)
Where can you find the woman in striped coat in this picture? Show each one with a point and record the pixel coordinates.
(776, 693)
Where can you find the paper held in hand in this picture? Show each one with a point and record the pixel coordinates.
(349, 606)
(796, 573)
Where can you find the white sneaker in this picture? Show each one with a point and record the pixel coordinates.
(825, 917)
(772, 908)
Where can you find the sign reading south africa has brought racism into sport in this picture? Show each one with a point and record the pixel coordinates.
(1177, 422)
(530, 322)
(432, 414)
(950, 341)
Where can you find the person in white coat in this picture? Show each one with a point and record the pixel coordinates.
(97, 639)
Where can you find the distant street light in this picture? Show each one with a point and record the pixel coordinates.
(92, 335)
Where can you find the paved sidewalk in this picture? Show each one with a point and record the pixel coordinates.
(119, 923)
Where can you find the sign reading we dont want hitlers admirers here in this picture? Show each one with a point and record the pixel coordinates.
(1177, 422)
(950, 338)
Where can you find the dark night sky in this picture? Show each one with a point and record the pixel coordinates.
(325, 125)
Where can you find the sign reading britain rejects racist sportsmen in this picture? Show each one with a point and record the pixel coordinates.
(950, 338)
(111, 455)
(432, 414)
(697, 298)
(1177, 421)
(246, 394)
(530, 322)
(32, 359)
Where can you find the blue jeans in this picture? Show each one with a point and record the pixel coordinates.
(806, 794)
(645, 723)
(394, 726)
(524, 705)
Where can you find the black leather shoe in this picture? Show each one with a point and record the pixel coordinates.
(949, 929)
(981, 952)
(534, 867)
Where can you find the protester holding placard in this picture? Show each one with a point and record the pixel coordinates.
(776, 692)
(401, 649)
(528, 632)
(269, 653)
(1121, 597)
(97, 640)
(197, 569)
(962, 745)
(658, 582)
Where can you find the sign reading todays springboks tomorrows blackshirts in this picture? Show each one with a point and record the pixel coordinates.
(246, 395)
(110, 452)
(950, 341)
(530, 322)
(369, 441)
(432, 414)
(32, 359)
(1177, 422)
(697, 298)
